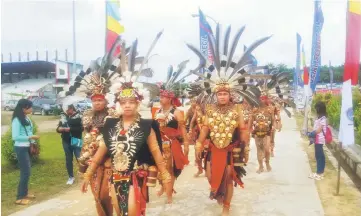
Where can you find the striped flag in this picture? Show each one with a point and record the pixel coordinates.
(316, 46)
(113, 27)
(352, 58)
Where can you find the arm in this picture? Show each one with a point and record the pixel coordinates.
(58, 128)
(15, 131)
(243, 130)
(96, 160)
(181, 126)
(202, 137)
(165, 177)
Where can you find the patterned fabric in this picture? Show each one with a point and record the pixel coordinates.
(320, 137)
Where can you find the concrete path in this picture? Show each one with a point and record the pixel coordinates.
(286, 191)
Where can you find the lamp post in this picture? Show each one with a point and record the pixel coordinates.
(197, 15)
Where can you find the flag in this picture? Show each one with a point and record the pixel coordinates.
(316, 46)
(113, 27)
(305, 76)
(297, 76)
(204, 29)
(353, 39)
(347, 133)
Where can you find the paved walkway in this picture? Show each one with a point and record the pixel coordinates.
(286, 191)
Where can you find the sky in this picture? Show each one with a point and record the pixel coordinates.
(28, 25)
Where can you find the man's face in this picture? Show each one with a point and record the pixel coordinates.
(223, 97)
(70, 111)
(129, 106)
(99, 104)
(164, 101)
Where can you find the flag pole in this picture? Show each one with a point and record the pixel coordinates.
(74, 40)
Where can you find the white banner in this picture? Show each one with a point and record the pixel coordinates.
(347, 133)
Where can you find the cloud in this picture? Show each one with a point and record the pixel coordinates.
(41, 25)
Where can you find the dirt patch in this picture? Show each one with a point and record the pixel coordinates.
(349, 199)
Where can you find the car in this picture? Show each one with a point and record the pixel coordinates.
(84, 105)
(44, 106)
(10, 105)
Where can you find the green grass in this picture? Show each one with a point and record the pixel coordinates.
(348, 202)
(48, 177)
(6, 118)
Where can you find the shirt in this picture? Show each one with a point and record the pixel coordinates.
(19, 135)
(320, 137)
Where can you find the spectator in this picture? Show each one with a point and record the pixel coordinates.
(317, 136)
(22, 135)
(70, 125)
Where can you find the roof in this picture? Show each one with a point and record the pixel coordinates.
(69, 62)
(27, 67)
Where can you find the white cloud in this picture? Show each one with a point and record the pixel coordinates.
(41, 25)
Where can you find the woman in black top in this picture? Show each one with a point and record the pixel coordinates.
(70, 125)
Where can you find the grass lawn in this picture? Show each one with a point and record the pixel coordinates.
(6, 117)
(48, 177)
(349, 199)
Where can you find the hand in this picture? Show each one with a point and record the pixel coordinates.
(34, 137)
(186, 149)
(66, 129)
(60, 129)
(198, 155)
(169, 191)
(84, 186)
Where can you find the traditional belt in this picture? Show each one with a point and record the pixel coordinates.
(261, 133)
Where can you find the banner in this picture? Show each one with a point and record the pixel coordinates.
(316, 46)
(347, 133)
(204, 29)
(353, 39)
(113, 27)
(297, 76)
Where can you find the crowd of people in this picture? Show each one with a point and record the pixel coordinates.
(122, 154)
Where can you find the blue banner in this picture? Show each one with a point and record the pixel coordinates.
(204, 28)
(297, 77)
(316, 46)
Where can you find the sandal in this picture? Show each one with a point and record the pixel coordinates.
(30, 196)
(22, 202)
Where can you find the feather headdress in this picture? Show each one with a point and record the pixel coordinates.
(226, 73)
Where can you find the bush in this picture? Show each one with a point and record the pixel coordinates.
(7, 147)
(333, 105)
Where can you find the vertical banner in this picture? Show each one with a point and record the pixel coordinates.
(296, 75)
(316, 46)
(113, 27)
(353, 39)
(347, 133)
(204, 29)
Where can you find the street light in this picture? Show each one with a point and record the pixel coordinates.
(197, 15)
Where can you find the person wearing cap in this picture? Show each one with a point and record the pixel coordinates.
(70, 125)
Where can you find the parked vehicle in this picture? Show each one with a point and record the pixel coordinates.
(10, 105)
(44, 106)
(84, 105)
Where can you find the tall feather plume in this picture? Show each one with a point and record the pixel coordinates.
(217, 47)
(213, 45)
(109, 57)
(202, 59)
(248, 52)
(226, 40)
(169, 73)
(234, 46)
(181, 67)
(149, 51)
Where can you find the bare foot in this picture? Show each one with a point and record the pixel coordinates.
(269, 168)
(220, 201)
(272, 155)
(225, 211)
(160, 192)
(260, 170)
(169, 200)
(198, 173)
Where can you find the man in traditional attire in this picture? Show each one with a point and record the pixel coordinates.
(221, 85)
(172, 126)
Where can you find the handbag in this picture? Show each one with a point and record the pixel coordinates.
(34, 148)
(76, 142)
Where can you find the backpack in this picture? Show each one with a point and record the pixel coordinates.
(328, 135)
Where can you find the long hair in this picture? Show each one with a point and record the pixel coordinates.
(19, 112)
(320, 108)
